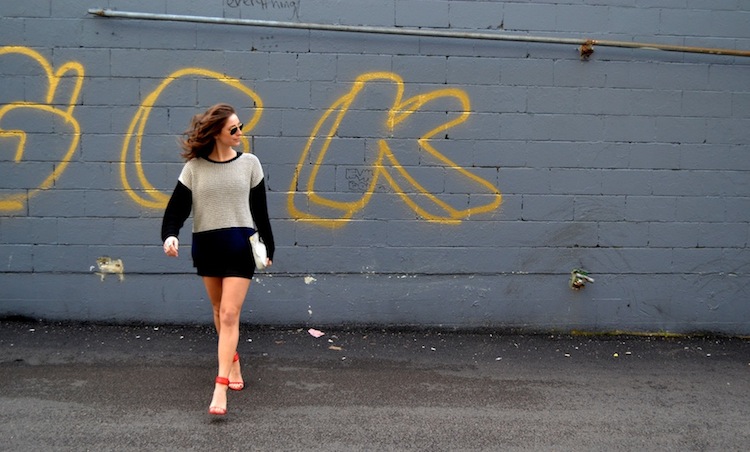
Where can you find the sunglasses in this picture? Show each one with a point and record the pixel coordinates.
(234, 129)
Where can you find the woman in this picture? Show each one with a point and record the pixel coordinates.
(226, 191)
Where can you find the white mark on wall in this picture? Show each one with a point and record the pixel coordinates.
(106, 265)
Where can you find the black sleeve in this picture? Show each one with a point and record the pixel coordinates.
(259, 210)
(178, 210)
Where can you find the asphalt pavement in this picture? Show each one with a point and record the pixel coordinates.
(78, 387)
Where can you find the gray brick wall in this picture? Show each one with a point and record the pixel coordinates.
(632, 165)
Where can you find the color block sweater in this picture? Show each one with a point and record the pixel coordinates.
(221, 195)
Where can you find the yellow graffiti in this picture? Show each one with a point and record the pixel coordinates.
(386, 166)
(150, 196)
(41, 110)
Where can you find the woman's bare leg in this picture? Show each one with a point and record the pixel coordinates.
(227, 296)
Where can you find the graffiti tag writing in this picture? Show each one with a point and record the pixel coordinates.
(408, 130)
(325, 210)
(141, 190)
(55, 110)
(292, 5)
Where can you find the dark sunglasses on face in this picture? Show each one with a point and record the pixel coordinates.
(234, 129)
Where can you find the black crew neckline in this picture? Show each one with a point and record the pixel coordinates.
(226, 161)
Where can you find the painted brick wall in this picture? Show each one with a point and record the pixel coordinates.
(386, 158)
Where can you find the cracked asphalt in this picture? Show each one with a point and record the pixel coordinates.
(72, 386)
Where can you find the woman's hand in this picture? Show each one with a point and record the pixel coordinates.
(269, 262)
(171, 246)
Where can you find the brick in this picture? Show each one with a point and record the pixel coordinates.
(550, 234)
(703, 209)
(599, 208)
(363, 124)
(723, 235)
(21, 9)
(738, 209)
(496, 153)
(81, 231)
(700, 260)
(577, 73)
(316, 67)
(29, 230)
(674, 235)
(542, 99)
(535, 72)
(350, 67)
(628, 261)
(476, 15)
(548, 208)
(686, 183)
(740, 104)
(337, 43)
(575, 181)
(108, 34)
(283, 94)
(567, 127)
(484, 71)
(509, 210)
(706, 103)
(524, 180)
(158, 63)
(62, 203)
(277, 210)
(623, 234)
(724, 77)
(279, 150)
(115, 204)
(193, 8)
(422, 13)
(87, 176)
(156, 7)
(273, 123)
(627, 182)
(730, 23)
(567, 154)
(684, 22)
(248, 66)
(728, 130)
(405, 233)
(374, 13)
(209, 91)
(480, 126)
(655, 156)
(681, 183)
(529, 17)
(582, 18)
(17, 258)
(628, 129)
(650, 208)
(630, 20)
(680, 130)
(25, 175)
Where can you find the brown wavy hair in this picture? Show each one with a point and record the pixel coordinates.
(198, 140)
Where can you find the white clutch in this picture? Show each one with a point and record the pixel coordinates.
(259, 251)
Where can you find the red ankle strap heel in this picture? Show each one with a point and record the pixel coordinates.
(215, 409)
(236, 385)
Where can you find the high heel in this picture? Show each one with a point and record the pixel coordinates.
(236, 385)
(214, 409)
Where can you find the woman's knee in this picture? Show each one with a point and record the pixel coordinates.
(229, 316)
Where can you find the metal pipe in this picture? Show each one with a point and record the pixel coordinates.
(586, 44)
